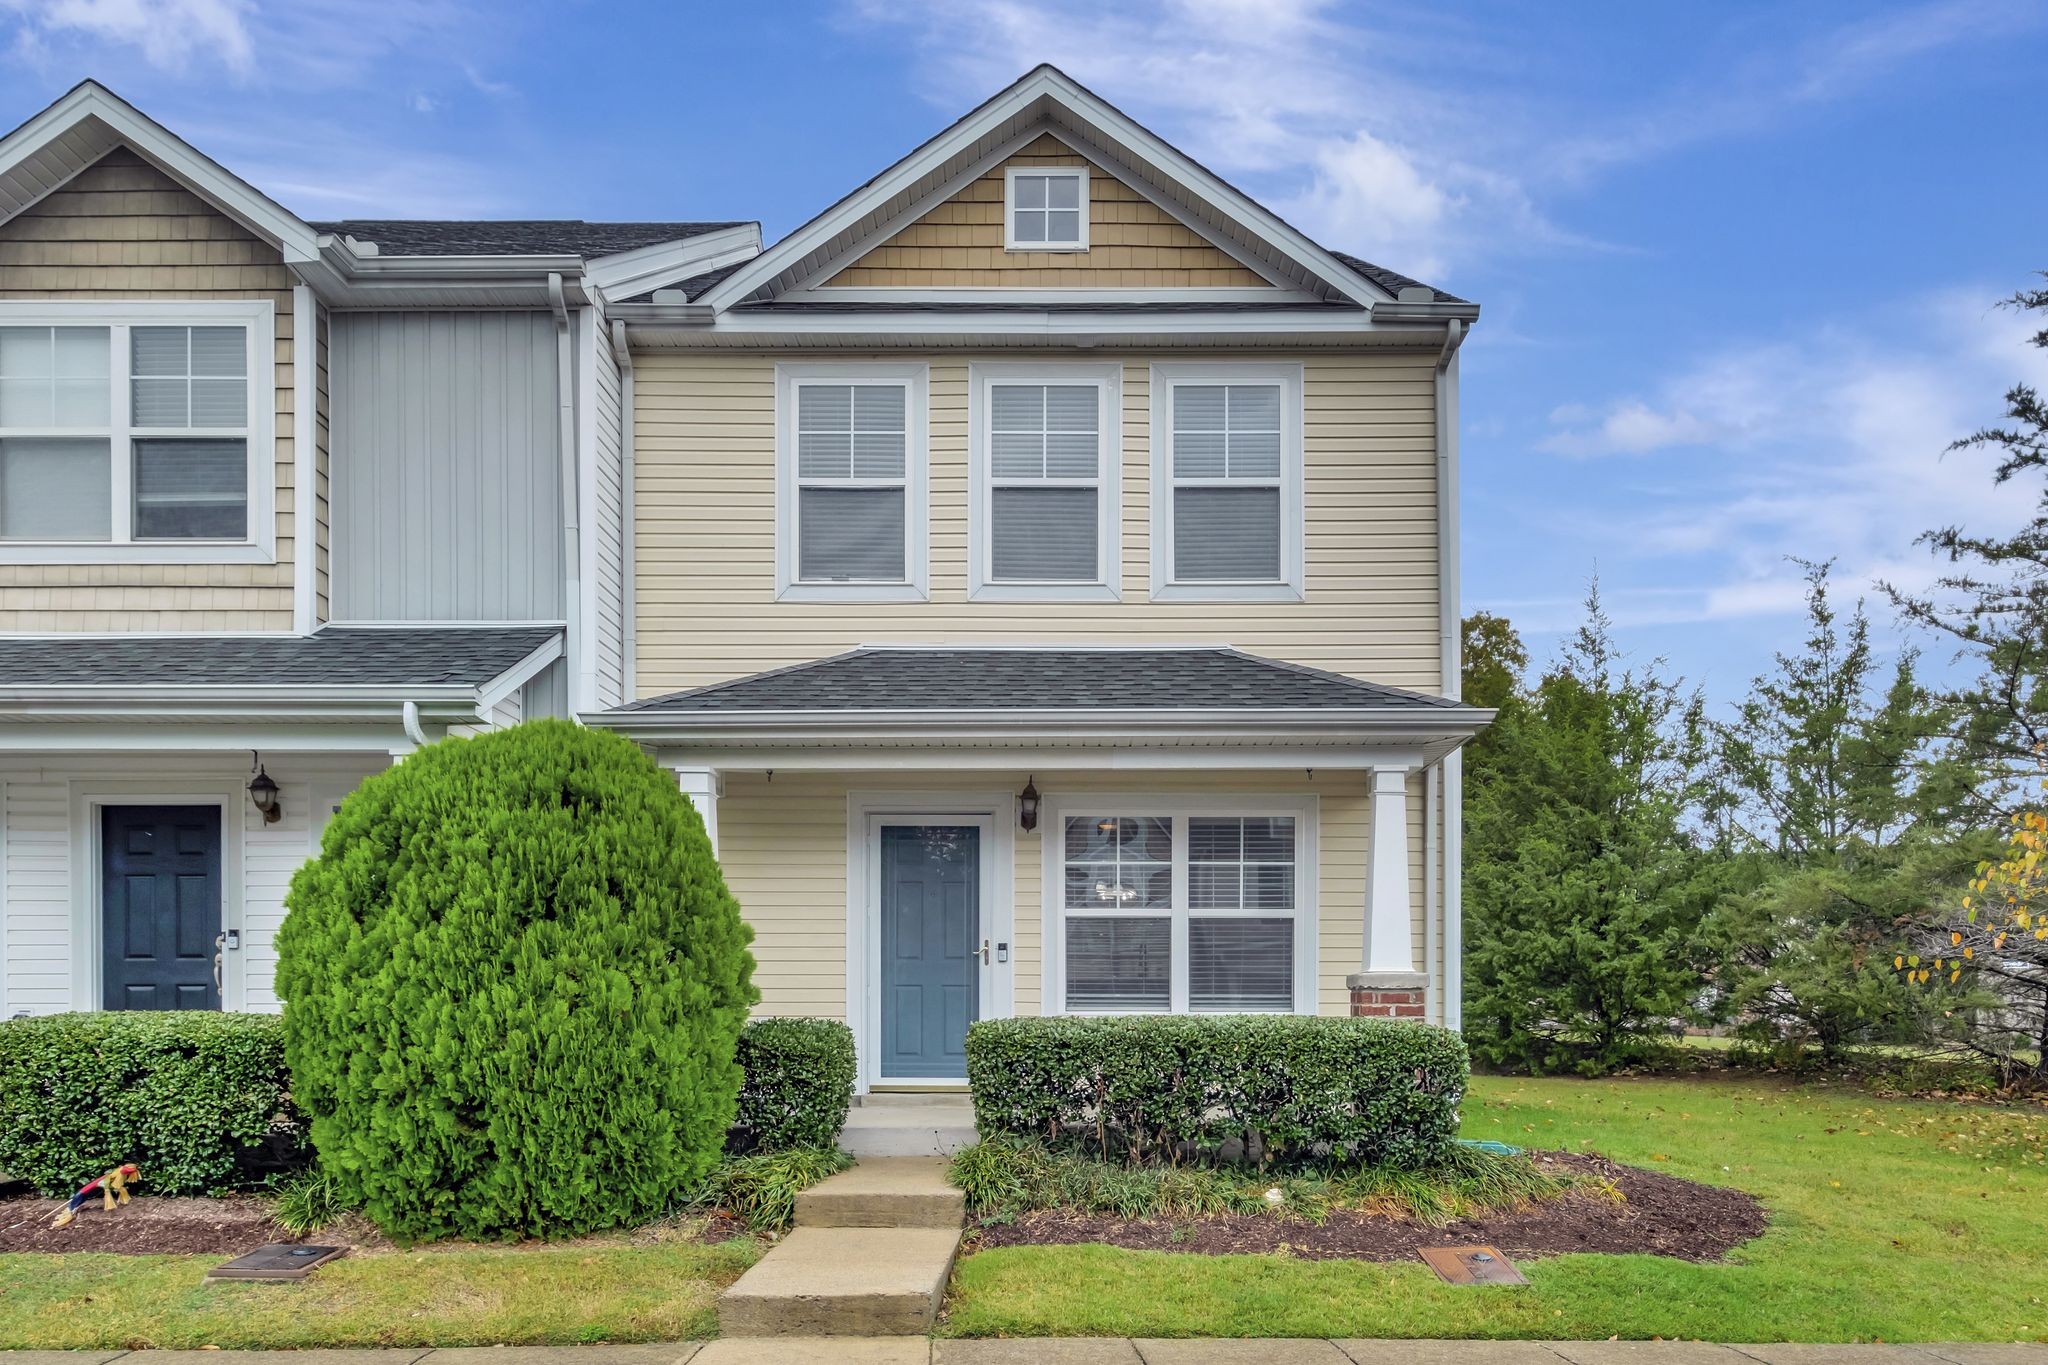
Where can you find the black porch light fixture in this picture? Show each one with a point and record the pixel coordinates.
(263, 794)
(1027, 806)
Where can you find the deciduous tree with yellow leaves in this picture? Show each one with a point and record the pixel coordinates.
(1996, 941)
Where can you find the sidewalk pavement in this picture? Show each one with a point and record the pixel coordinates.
(1093, 1351)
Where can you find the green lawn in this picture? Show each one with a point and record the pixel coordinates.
(471, 1297)
(1890, 1219)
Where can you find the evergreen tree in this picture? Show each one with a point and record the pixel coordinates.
(1584, 893)
(1993, 599)
(1838, 818)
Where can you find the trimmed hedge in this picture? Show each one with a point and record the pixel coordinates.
(514, 983)
(798, 1085)
(198, 1100)
(1291, 1088)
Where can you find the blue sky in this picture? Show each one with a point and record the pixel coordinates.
(1738, 262)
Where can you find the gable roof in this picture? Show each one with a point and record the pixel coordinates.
(1048, 100)
(89, 121)
(514, 237)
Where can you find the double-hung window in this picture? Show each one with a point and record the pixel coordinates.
(1227, 515)
(134, 431)
(1045, 208)
(850, 455)
(1045, 467)
(1197, 908)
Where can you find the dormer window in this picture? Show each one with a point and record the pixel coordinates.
(1046, 208)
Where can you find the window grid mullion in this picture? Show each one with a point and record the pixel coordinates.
(121, 438)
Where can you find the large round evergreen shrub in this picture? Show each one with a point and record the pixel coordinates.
(514, 983)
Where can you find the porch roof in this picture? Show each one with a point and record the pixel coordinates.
(356, 656)
(948, 700)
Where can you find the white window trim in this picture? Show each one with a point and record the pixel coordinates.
(1291, 586)
(258, 316)
(1177, 807)
(1108, 377)
(1010, 174)
(916, 379)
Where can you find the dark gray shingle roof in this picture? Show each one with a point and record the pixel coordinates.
(536, 237)
(423, 656)
(694, 288)
(1393, 281)
(1038, 679)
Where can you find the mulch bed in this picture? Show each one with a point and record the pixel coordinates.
(148, 1224)
(233, 1224)
(1657, 1214)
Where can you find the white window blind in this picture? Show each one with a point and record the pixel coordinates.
(1226, 483)
(1045, 483)
(1195, 912)
(125, 433)
(852, 462)
(1048, 208)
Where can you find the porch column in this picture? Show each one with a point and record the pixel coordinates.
(1389, 987)
(703, 786)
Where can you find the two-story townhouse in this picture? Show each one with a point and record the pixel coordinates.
(279, 500)
(1039, 569)
(1044, 577)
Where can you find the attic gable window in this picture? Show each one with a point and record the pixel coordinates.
(1045, 208)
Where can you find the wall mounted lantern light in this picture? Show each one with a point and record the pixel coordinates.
(263, 794)
(1027, 806)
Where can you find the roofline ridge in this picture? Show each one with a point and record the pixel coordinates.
(1310, 670)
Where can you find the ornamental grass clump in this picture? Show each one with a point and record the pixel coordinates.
(514, 984)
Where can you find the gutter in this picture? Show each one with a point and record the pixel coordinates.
(575, 645)
(1452, 1005)
(629, 590)
(1404, 722)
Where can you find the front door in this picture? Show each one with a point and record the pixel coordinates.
(931, 948)
(160, 894)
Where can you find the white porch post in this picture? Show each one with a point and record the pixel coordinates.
(1388, 908)
(1389, 987)
(703, 786)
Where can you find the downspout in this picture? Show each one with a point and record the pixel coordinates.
(410, 716)
(1452, 1006)
(573, 643)
(629, 589)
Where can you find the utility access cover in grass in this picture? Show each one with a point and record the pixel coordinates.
(1471, 1265)
(278, 1261)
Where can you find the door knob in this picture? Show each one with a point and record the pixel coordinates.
(219, 946)
(984, 952)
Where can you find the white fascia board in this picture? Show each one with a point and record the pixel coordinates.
(886, 296)
(1109, 124)
(1041, 760)
(1035, 324)
(884, 187)
(172, 155)
(130, 736)
(651, 267)
(1157, 724)
(518, 675)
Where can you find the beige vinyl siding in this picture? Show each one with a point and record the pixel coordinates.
(782, 843)
(705, 557)
(1131, 241)
(123, 230)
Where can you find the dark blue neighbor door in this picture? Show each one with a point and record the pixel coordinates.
(931, 948)
(160, 893)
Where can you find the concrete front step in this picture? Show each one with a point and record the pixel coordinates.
(933, 1126)
(853, 1282)
(884, 1192)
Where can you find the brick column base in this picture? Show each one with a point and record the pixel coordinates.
(1387, 995)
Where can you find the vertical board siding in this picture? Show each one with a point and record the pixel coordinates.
(606, 525)
(782, 844)
(704, 451)
(121, 229)
(1131, 241)
(445, 483)
(36, 916)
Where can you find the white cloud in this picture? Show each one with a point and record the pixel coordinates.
(1831, 447)
(170, 34)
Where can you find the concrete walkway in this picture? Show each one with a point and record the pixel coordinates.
(1091, 1351)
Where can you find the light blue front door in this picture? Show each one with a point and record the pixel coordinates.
(931, 948)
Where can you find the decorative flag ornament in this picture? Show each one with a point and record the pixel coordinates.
(112, 1187)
